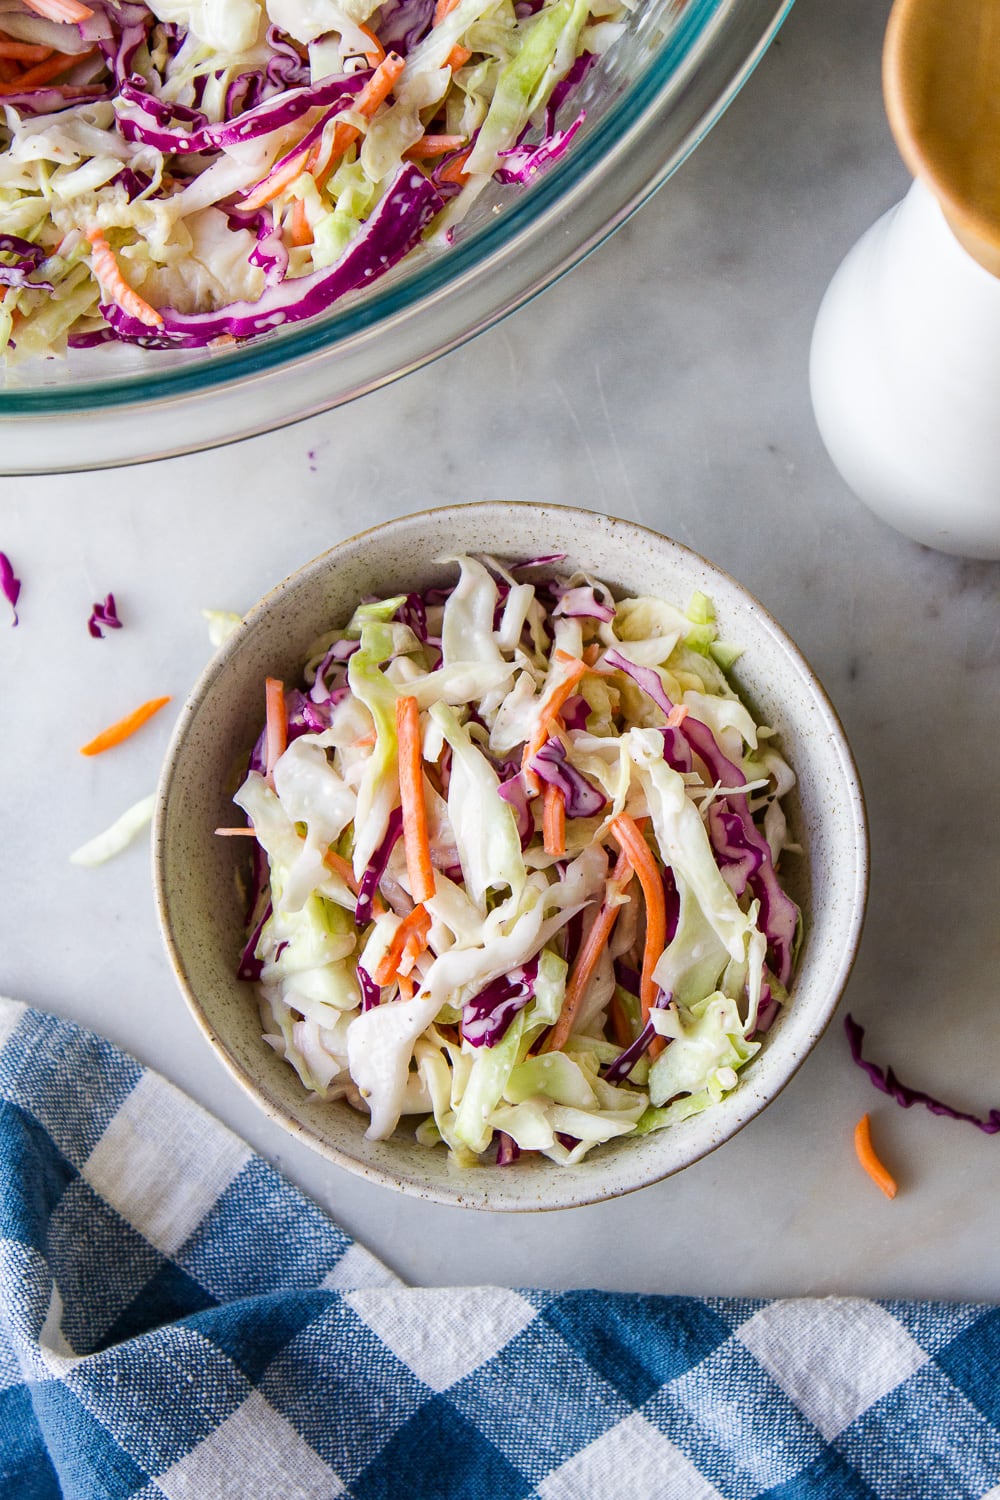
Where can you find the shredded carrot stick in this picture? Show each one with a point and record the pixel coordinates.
(407, 989)
(442, 9)
(620, 1028)
(9, 70)
(629, 835)
(409, 941)
(457, 57)
(375, 92)
(677, 715)
(342, 867)
(416, 841)
(433, 145)
(553, 820)
(548, 709)
(115, 733)
(237, 833)
(375, 51)
(301, 228)
(455, 170)
(273, 185)
(276, 725)
(364, 740)
(24, 51)
(114, 285)
(59, 62)
(60, 10)
(878, 1173)
(587, 959)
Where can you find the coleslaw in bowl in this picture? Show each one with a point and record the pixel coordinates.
(496, 1062)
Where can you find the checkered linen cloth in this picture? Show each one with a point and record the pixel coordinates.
(176, 1320)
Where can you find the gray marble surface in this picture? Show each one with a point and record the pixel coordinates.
(663, 380)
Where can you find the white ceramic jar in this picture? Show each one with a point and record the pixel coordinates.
(905, 377)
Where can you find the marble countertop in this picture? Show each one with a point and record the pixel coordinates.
(663, 380)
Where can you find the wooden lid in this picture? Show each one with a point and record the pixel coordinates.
(941, 78)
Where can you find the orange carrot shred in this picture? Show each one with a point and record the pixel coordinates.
(587, 958)
(301, 228)
(276, 726)
(24, 51)
(620, 1028)
(115, 733)
(455, 170)
(434, 145)
(114, 285)
(342, 867)
(375, 52)
(677, 715)
(60, 10)
(407, 989)
(876, 1170)
(408, 942)
(442, 9)
(236, 833)
(640, 856)
(553, 820)
(375, 92)
(416, 841)
(457, 57)
(548, 711)
(51, 67)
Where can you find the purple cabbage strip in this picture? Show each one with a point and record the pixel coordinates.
(274, 114)
(49, 100)
(575, 712)
(507, 1149)
(376, 868)
(104, 617)
(582, 799)
(522, 163)
(486, 1017)
(92, 339)
(285, 68)
(12, 244)
(321, 692)
(250, 967)
(626, 1061)
(886, 1080)
(537, 562)
(514, 792)
(630, 979)
(10, 585)
(134, 183)
(393, 229)
(17, 276)
(269, 253)
(738, 858)
(404, 23)
(778, 913)
(583, 604)
(304, 716)
(676, 750)
(243, 94)
(371, 995)
(572, 80)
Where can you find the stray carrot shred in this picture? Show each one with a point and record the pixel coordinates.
(408, 942)
(342, 867)
(553, 820)
(877, 1171)
(114, 285)
(115, 733)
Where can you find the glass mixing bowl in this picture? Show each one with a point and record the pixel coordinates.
(651, 100)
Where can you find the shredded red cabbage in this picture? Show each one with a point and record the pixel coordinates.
(508, 1150)
(522, 163)
(368, 884)
(371, 995)
(886, 1080)
(10, 585)
(626, 1061)
(779, 916)
(486, 1017)
(104, 617)
(583, 800)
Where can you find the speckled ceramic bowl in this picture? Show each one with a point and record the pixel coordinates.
(194, 871)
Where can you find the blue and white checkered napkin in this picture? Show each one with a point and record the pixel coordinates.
(178, 1321)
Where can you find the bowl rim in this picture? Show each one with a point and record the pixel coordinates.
(742, 1105)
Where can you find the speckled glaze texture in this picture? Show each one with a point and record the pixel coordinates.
(199, 907)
